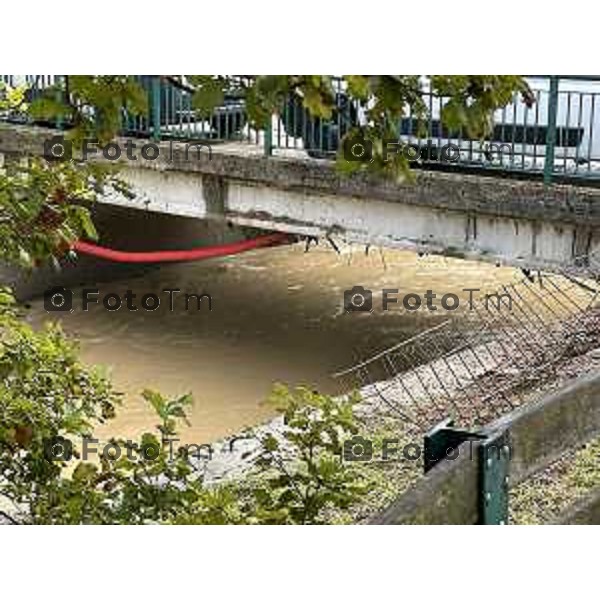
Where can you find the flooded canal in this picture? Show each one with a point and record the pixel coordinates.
(277, 316)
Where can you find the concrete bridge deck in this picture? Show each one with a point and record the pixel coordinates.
(509, 221)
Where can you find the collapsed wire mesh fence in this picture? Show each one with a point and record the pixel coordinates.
(480, 366)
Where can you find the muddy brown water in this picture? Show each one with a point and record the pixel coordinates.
(277, 316)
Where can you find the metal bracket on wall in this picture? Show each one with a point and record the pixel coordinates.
(443, 440)
(494, 453)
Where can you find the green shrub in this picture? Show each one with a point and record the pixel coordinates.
(47, 395)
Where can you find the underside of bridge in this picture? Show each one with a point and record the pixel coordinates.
(497, 219)
(128, 230)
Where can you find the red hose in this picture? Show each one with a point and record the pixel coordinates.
(272, 239)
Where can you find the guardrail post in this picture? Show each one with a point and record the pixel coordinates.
(269, 137)
(551, 130)
(155, 108)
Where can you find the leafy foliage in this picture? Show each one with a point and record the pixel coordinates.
(12, 99)
(44, 207)
(304, 474)
(45, 393)
(93, 105)
(471, 102)
(48, 398)
(473, 98)
(298, 479)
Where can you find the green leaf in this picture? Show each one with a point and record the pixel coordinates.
(358, 86)
(86, 223)
(208, 97)
(270, 443)
(84, 472)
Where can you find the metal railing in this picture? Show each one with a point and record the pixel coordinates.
(557, 137)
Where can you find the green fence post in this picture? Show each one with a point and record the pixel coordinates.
(269, 137)
(155, 108)
(551, 130)
(494, 455)
(60, 97)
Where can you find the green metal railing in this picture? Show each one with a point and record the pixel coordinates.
(557, 138)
